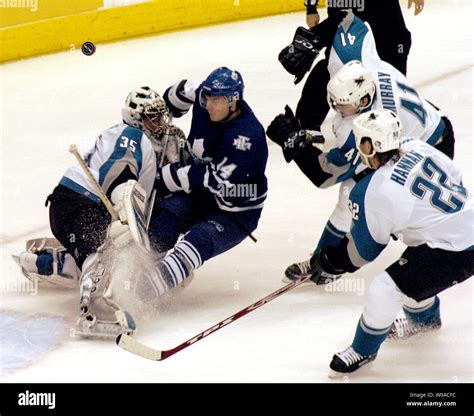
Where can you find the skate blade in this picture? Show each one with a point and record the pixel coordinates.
(95, 335)
(334, 375)
(109, 330)
(287, 280)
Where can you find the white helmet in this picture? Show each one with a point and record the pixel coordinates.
(382, 127)
(145, 104)
(349, 85)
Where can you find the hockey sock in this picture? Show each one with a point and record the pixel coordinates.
(424, 315)
(331, 236)
(367, 340)
(179, 264)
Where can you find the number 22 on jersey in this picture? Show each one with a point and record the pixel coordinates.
(433, 182)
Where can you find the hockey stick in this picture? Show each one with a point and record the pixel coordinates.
(100, 191)
(130, 344)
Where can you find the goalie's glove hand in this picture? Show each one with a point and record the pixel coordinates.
(286, 131)
(321, 269)
(298, 57)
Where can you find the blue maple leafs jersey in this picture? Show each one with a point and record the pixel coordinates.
(229, 160)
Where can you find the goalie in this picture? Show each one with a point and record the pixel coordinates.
(124, 163)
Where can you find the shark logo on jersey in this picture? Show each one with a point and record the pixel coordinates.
(242, 143)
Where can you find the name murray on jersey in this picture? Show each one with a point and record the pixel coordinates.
(404, 167)
(386, 91)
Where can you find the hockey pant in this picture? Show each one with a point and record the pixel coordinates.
(208, 232)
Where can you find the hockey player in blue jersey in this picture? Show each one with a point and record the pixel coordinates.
(123, 161)
(354, 87)
(216, 202)
(415, 194)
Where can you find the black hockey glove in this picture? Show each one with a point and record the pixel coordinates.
(283, 126)
(286, 131)
(298, 57)
(323, 272)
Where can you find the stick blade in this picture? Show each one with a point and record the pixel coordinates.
(127, 343)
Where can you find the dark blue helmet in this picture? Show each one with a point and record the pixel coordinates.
(223, 82)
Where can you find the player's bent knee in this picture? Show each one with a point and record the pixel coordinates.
(384, 301)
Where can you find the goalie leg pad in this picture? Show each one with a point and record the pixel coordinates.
(133, 208)
(101, 317)
(46, 260)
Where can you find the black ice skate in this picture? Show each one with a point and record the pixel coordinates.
(296, 271)
(301, 269)
(348, 361)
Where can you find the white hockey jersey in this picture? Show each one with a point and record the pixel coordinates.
(420, 119)
(419, 199)
(115, 149)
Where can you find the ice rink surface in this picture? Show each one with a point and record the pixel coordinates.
(51, 101)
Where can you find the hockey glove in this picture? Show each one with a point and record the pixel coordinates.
(298, 57)
(323, 272)
(180, 97)
(285, 130)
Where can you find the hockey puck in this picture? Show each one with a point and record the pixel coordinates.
(88, 48)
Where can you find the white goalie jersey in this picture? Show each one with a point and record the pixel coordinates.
(116, 149)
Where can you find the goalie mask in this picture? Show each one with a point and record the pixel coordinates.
(147, 111)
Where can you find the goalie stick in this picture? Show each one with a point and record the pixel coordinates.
(130, 344)
(97, 187)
